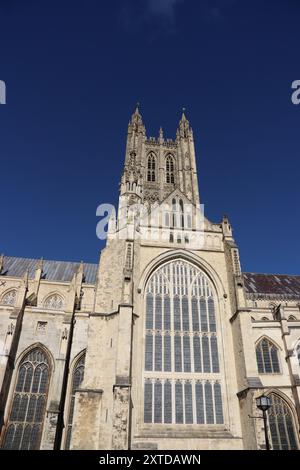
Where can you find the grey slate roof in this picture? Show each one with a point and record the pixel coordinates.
(52, 270)
(272, 285)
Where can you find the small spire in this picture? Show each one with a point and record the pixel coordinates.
(183, 117)
(137, 108)
(161, 134)
(1, 262)
(40, 263)
(136, 118)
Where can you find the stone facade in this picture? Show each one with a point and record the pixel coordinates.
(64, 310)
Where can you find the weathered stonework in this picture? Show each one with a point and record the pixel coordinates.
(121, 418)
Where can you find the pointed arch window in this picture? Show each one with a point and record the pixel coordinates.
(281, 425)
(267, 357)
(77, 378)
(26, 419)
(182, 381)
(9, 298)
(298, 353)
(170, 169)
(54, 302)
(151, 167)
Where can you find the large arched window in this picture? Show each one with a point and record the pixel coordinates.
(151, 167)
(170, 169)
(267, 357)
(77, 379)
(281, 425)
(181, 371)
(25, 424)
(9, 298)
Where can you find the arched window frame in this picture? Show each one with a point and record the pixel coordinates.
(14, 392)
(151, 167)
(170, 169)
(78, 363)
(267, 356)
(283, 433)
(213, 377)
(9, 297)
(57, 301)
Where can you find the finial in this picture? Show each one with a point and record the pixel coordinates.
(40, 263)
(1, 262)
(137, 108)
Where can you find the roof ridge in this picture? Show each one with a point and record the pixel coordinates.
(48, 260)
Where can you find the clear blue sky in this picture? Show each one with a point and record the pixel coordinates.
(74, 71)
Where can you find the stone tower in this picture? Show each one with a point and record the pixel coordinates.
(159, 336)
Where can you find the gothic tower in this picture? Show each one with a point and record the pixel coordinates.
(160, 356)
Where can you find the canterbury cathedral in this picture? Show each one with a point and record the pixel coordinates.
(165, 343)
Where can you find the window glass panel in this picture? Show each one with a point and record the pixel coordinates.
(199, 403)
(157, 402)
(211, 315)
(148, 402)
(179, 402)
(188, 403)
(218, 403)
(167, 353)
(209, 403)
(158, 352)
(197, 354)
(187, 354)
(203, 315)
(167, 402)
(149, 312)
(206, 355)
(149, 352)
(214, 354)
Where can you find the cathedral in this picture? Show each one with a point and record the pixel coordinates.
(165, 343)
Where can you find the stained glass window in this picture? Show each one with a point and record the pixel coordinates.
(181, 338)
(77, 379)
(281, 425)
(25, 424)
(267, 357)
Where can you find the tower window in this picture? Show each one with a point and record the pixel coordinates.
(151, 168)
(170, 170)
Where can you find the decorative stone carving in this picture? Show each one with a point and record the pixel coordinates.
(120, 421)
